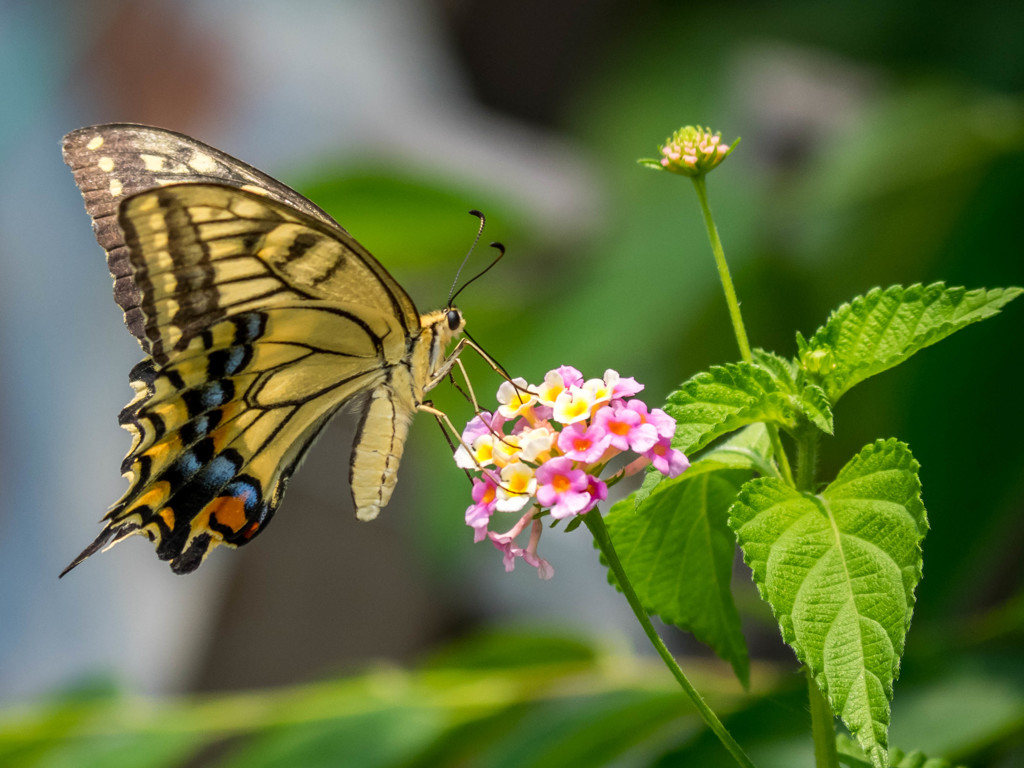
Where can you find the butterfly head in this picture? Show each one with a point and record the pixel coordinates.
(456, 322)
(445, 324)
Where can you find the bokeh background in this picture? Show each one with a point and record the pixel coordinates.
(882, 143)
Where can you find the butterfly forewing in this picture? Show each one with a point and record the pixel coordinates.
(199, 252)
(115, 161)
(261, 318)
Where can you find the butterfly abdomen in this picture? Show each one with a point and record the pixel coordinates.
(379, 443)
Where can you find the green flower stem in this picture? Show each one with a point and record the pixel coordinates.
(823, 727)
(734, 311)
(723, 269)
(595, 523)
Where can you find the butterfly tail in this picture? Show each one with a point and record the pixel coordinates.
(108, 537)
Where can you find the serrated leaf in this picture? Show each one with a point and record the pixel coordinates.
(750, 449)
(677, 550)
(816, 407)
(839, 570)
(782, 370)
(883, 328)
(726, 398)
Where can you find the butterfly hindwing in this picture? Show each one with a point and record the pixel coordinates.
(218, 431)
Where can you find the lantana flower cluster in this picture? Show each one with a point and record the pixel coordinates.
(548, 444)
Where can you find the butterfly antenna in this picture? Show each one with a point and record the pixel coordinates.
(501, 252)
(483, 221)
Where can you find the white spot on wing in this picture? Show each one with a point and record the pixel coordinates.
(202, 162)
(106, 164)
(254, 189)
(95, 142)
(153, 162)
(115, 188)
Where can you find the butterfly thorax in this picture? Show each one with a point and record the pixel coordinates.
(439, 329)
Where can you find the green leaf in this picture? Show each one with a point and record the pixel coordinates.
(883, 328)
(728, 397)
(839, 570)
(677, 550)
(749, 449)
(816, 407)
(810, 398)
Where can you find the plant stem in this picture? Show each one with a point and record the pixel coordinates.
(734, 312)
(823, 727)
(595, 523)
(723, 269)
(806, 460)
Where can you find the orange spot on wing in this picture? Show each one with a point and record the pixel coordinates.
(168, 517)
(228, 510)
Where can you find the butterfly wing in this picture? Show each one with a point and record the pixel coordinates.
(115, 161)
(261, 322)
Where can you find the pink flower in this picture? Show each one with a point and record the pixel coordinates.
(621, 388)
(582, 443)
(544, 441)
(663, 423)
(667, 459)
(562, 488)
(597, 490)
(478, 515)
(506, 543)
(626, 426)
(570, 376)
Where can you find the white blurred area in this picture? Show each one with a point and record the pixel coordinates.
(296, 82)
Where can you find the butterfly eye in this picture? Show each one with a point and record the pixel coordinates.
(454, 319)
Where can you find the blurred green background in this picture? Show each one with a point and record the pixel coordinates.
(881, 144)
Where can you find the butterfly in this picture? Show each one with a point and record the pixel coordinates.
(260, 317)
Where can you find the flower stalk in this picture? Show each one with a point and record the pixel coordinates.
(723, 269)
(595, 523)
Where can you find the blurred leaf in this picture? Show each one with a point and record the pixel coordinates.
(881, 329)
(969, 705)
(839, 571)
(370, 740)
(591, 732)
(510, 648)
(677, 550)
